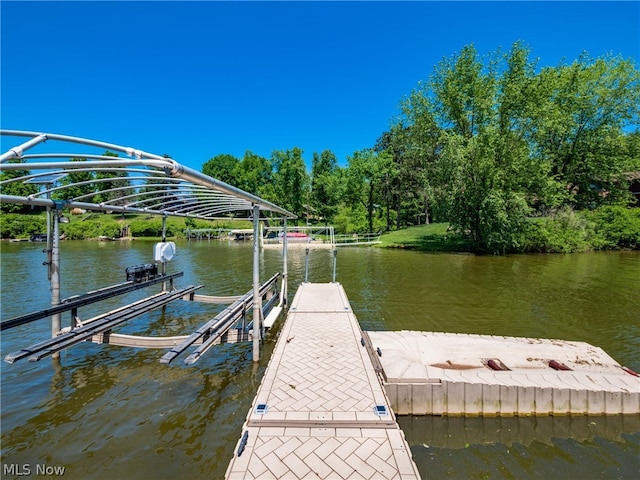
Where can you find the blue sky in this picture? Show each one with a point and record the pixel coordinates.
(197, 79)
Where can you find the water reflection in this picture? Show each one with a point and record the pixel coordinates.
(114, 412)
(461, 432)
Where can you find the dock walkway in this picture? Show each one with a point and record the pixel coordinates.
(321, 411)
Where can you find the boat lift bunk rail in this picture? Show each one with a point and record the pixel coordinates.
(100, 324)
(72, 303)
(218, 326)
(99, 329)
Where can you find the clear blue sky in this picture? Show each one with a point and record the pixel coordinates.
(197, 79)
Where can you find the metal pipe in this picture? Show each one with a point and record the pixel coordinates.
(306, 265)
(49, 244)
(169, 166)
(163, 265)
(335, 254)
(285, 270)
(257, 304)
(55, 275)
(16, 152)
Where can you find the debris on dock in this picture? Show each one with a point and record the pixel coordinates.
(427, 373)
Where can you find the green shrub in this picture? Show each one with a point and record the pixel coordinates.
(103, 225)
(619, 227)
(14, 225)
(566, 231)
(151, 228)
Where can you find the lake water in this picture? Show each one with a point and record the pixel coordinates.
(105, 412)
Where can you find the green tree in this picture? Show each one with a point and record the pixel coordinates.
(291, 180)
(77, 183)
(581, 129)
(254, 174)
(466, 124)
(493, 139)
(222, 167)
(11, 184)
(365, 174)
(325, 184)
(110, 185)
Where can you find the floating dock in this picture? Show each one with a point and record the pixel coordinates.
(429, 373)
(321, 410)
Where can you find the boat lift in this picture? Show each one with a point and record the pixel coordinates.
(142, 183)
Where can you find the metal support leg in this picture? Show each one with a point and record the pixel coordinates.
(55, 275)
(163, 268)
(335, 254)
(285, 271)
(306, 266)
(257, 304)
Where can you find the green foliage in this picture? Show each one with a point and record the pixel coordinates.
(190, 222)
(151, 228)
(222, 167)
(82, 187)
(110, 186)
(436, 237)
(567, 231)
(255, 175)
(102, 225)
(345, 220)
(291, 180)
(14, 225)
(619, 227)
(494, 141)
(355, 219)
(325, 184)
(365, 183)
(11, 184)
(580, 125)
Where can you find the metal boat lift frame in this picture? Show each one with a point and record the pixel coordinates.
(143, 183)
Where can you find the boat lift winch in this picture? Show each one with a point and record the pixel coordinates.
(141, 183)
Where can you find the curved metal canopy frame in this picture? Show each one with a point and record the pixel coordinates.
(142, 183)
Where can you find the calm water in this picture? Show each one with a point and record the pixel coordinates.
(116, 413)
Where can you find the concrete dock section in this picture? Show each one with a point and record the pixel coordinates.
(321, 410)
(427, 373)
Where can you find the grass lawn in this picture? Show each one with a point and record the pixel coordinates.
(428, 238)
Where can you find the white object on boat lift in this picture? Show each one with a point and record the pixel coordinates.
(164, 251)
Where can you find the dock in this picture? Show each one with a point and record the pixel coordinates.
(321, 410)
(435, 373)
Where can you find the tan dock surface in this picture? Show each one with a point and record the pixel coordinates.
(432, 373)
(321, 392)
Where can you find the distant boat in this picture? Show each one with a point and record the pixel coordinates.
(298, 237)
(38, 237)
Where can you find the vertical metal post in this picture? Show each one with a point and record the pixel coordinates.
(55, 275)
(49, 244)
(335, 254)
(163, 265)
(285, 270)
(306, 265)
(257, 307)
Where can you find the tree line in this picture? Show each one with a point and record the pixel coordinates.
(486, 143)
